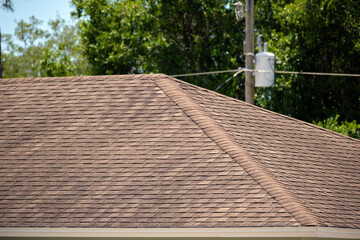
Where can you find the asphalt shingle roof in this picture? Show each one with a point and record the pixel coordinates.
(153, 151)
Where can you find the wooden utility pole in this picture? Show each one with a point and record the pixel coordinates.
(249, 52)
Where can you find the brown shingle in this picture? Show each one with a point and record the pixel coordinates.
(319, 168)
(152, 151)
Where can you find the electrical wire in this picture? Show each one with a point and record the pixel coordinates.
(280, 72)
(240, 70)
(220, 86)
(204, 73)
(320, 74)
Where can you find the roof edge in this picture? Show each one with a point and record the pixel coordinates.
(224, 140)
(247, 232)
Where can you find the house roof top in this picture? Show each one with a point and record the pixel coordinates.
(151, 151)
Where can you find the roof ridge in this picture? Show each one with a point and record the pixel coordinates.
(219, 135)
(272, 112)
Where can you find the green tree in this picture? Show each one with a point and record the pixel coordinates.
(63, 54)
(166, 36)
(7, 5)
(57, 63)
(312, 36)
(33, 52)
(351, 129)
(29, 32)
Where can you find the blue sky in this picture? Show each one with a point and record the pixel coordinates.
(41, 9)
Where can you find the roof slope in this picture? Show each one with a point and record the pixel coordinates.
(153, 151)
(319, 167)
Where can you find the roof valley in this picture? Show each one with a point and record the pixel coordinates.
(219, 135)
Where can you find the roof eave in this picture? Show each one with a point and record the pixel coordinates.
(246, 232)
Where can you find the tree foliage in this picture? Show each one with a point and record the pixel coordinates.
(6, 5)
(351, 129)
(33, 52)
(171, 37)
(313, 36)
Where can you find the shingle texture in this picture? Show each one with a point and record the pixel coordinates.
(152, 151)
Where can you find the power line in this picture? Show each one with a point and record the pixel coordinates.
(204, 73)
(240, 70)
(320, 74)
(220, 86)
(280, 72)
